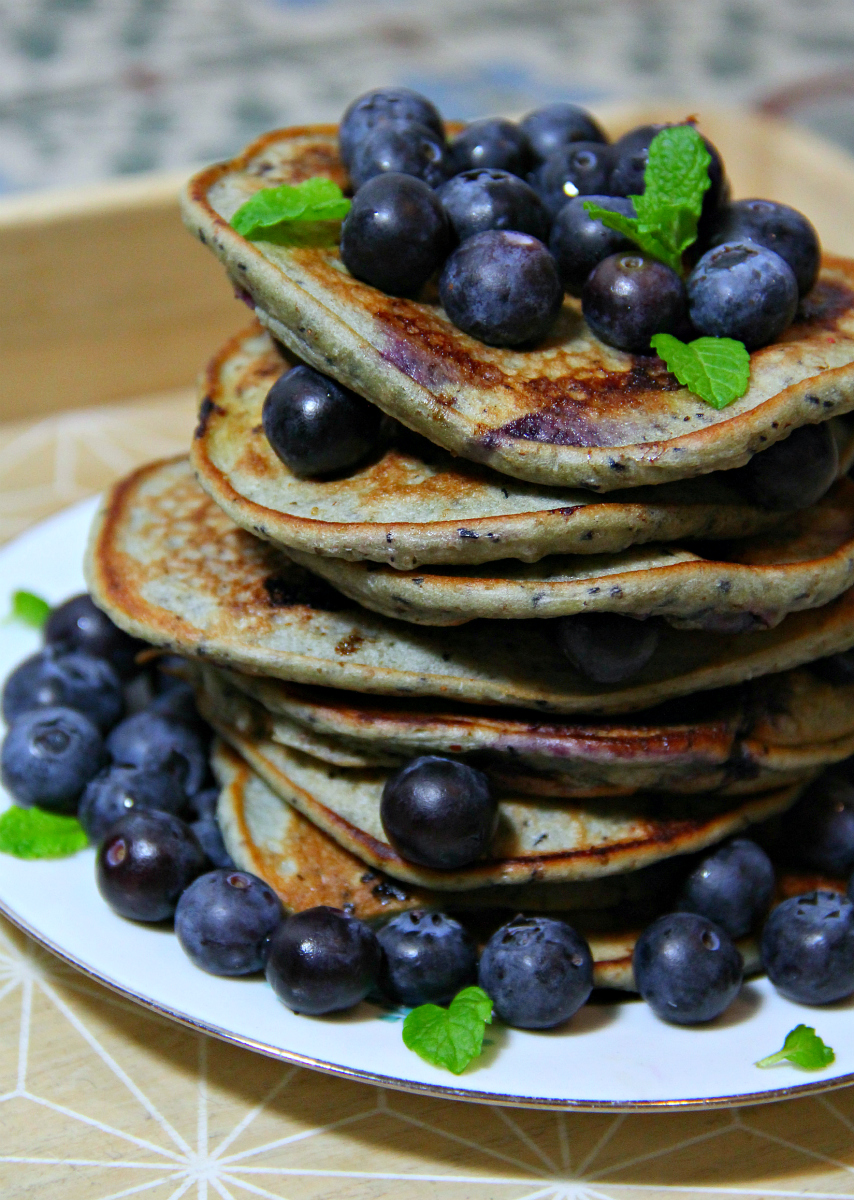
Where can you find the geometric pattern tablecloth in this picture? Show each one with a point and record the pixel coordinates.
(99, 1099)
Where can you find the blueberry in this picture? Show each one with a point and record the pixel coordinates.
(116, 791)
(808, 947)
(581, 169)
(777, 227)
(144, 864)
(628, 297)
(427, 958)
(401, 148)
(315, 425)
(149, 740)
(741, 290)
(395, 234)
(384, 104)
(630, 156)
(537, 970)
(607, 647)
(687, 968)
(491, 142)
(502, 287)
(579, 242)
(791, 474)
(490, 199)
(224, 922)
(53, 679)
(79, 625)
(209, 835)
(439, 812)
(48, 757)
(837, 669)
(555, 126)
(818, 832)
(323, 960)
(204, 803)
(733, 886)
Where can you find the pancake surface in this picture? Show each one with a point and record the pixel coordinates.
(170, 567)
(572, 412)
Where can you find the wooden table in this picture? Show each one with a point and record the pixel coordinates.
(99, 292)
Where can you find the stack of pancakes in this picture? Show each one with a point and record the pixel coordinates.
(337, 628)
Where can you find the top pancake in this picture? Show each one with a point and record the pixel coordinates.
(572, 412)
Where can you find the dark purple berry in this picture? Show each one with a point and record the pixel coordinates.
(209, 834)
(808, 948)
(427, 958)
(48, 757)
(384, 104)
(607, 647)
(733, 886)
(555, 126)
(491, 142)
(777, 227)
(628, 297)
(157, 743)
(79, 625)
(322, 960)
(792, 474)
(580, 242)
(400, 148)
(478, 200)
(224, 922)
(144, 864)
(580, 169)
(818, 833)
(538, 972)
(687, 968)
(116, 791)
(741, 290)
(56, 679)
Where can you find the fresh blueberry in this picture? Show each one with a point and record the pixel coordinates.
(741, 290)
(153, 741)
(580, 169)
(628, 297)
(818, 832)
(224, 922)
(794, 473)
(836, 668)
(116, 791)
(48, 757)
(439, 812)
(579, 242)
(53, 679)
(209, 834)
(502, 287)
(733, 886)
(427, 958)
(490, 199)
(631, 154)
(395, 235)
(323, 960)
(79, 625)
(144, 864)
(384, 104)
(179, 704)
(400, 148)
(607, 647)
(204, 803)
(491, 142)
(317, 426)
(808, 947)
(777, 227)
(687, 968)
(538, 972)
(555, 126)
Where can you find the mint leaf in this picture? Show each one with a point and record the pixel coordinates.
(449, 1037)
(312, 200)
(34, 833)
(29, 608)
(804, 1048)
(675, 180)
(715, 369)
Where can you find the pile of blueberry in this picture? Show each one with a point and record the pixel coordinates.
(499, 212)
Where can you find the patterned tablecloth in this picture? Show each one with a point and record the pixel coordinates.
(100, 1100)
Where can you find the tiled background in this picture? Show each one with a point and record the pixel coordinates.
(92, 88)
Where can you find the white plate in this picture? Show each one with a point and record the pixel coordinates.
(615, 1056)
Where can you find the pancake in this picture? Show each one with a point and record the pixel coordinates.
(573, 412)
(524, 759)
(414, 504)
(752, 583)
(171, 568)
(536, 840)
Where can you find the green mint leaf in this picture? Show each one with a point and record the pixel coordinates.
(715, 369)
(312, 200)
(804, 1048)
(449, 1037)
(34, 833)
(29, 608)
(675, 181)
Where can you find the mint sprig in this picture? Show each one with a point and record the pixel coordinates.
(449, 1037)
(29, 608)
(315, 199)
(675, 180)
(715, 369)
(804, 1048)
(34, 833)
